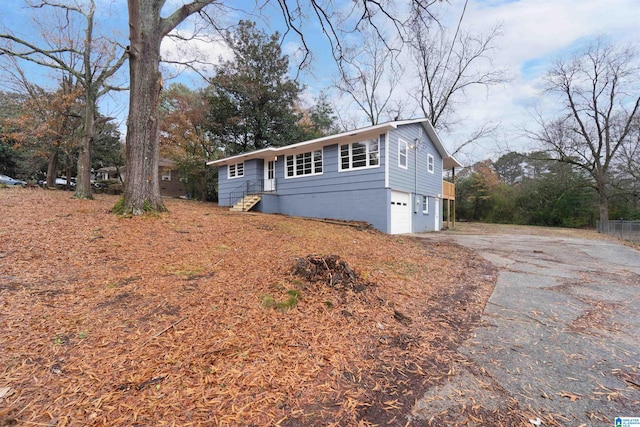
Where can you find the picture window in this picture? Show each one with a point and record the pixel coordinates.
(309, 163)
(359, 155)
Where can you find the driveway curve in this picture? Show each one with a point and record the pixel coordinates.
(560, 335)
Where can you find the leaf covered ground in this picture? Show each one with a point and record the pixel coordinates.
(200, 316)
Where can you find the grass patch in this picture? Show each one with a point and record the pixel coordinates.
(118, 208)
(186, 272)
(291, 302)
(121, 210)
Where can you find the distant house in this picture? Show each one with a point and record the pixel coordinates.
(109, 173)
(170, 183)
(168, 177)
(389, 175)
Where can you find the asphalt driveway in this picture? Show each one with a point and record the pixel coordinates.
(560, 335)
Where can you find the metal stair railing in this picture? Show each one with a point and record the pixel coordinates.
(246, 189)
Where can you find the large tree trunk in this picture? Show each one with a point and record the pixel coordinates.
(141, 188)
(146, 31)
(68, 169)
(52, 169)
(602, 187)
(203, 186)
(603, 205)
(83, 177)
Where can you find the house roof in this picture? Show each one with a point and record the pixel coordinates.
(340, 138)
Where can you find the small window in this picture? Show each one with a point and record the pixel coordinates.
(403, 149)
(425, 204)
(317, 161)
(430, 163)
(236, 170)
(166, 175)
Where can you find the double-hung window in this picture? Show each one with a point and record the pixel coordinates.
(309, 163)
(236, 170)
(425, 204)
(430, 163)
(357, 155)
(403, 153)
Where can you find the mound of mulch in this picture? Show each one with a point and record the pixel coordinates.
(331, 270)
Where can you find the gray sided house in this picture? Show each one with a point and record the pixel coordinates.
(389, 175)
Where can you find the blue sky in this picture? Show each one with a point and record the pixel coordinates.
(535, 33)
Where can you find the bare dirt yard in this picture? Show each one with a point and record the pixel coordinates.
(200, 316)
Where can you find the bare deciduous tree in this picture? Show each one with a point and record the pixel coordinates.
(72, 48)
(600, 104)
(626, 171)
(449, 65)
(146, 31)
(369, 75)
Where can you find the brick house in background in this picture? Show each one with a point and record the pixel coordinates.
(168, 177)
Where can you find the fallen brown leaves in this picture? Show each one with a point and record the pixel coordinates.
(160, 320)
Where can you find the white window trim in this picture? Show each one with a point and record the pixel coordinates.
(431, 163)
(425, 205)
(295, 175)
(351, 168)
(236, 170)
(386, 159)
(402, 142)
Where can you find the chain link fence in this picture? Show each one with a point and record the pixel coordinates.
(627, 230)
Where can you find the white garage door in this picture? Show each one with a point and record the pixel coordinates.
(400, 212)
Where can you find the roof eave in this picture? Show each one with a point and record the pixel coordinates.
(320, 142)
(244, 156)
(448, 160)
(450, 163)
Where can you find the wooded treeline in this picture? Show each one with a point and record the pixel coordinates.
(40, 135)
(534, 189)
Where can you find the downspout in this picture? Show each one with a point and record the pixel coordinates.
(415, 176)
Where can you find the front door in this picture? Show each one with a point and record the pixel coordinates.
(436, 214)
(270, 176)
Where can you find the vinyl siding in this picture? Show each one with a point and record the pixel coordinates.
(348, 195)
(410, 180)
(416, 179)
(331, 180)
(253, 170)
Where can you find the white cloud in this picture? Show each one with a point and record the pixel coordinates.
(202, 51)
(536, 32)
